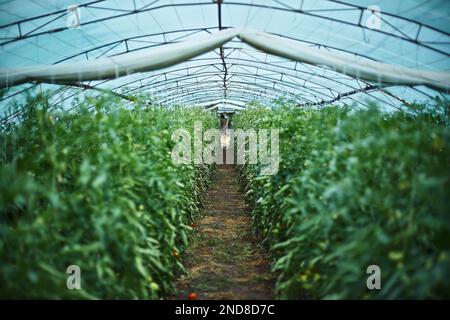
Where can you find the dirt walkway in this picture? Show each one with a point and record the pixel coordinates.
(225, 260)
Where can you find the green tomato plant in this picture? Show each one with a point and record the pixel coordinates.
(355, 188)
(96, 188)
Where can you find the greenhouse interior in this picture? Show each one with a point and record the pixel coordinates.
(224, 150)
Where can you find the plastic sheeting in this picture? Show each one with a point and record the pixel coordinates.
(359, 68)
(114, 67)
(382, 74)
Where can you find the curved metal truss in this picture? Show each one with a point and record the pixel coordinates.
(234, 71)
(41, 29)
(300, 84)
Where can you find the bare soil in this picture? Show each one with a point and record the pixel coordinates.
(225, 259)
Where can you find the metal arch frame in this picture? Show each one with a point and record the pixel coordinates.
(221, 54)
(192, 31)
(189, 86)
(246, 90)
(200, 86)
(338, 93)
(308, 103)
(242, 96)
(239, 75)
(221, 49)
(206, 94)
(253, 76)
(233, 87)
(209, 98)
(118, 42)
(285, 8)
(365, 89)
(212, 74)
(125, 41)
(213, 103)
(217, 94)
(245, 97)
(280, 82)
(201, 99)
(212, 97)
(72, 95)
(241, 63)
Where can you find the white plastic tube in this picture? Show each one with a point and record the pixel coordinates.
(381, 74)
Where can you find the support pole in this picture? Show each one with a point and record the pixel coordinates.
(222, 54)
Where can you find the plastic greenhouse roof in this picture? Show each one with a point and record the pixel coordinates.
(413, 34)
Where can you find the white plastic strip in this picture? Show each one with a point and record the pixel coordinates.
(382, 74)
(113, 67)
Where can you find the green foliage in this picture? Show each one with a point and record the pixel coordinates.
(97, 189)
(355, 188)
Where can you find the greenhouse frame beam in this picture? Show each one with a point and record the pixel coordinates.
(221, 50)
(233, 96)
(275, 65)
(249, 75)
(217, 94)
(211, 75)
(359, 24)
(242, 63)
(226, 107)
(193, 74)
(199, 88)
(208, 97)
(232, 86)
(200, 99)
(211, 103)
(63, 12)
(309, 103)
(302, 79)
(214, 88)
(244, 83)
(282, 83)
(193, 31)
(205, 29)
(420, 26)
(364, 89)
(264, 87)
(222, 101)
(127, 40)
(103, 90)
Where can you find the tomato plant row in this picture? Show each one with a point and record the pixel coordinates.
(355, 188)
(95, 188)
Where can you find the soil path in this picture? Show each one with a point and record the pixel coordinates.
(225, 260)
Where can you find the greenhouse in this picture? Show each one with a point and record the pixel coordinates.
(224, 150)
